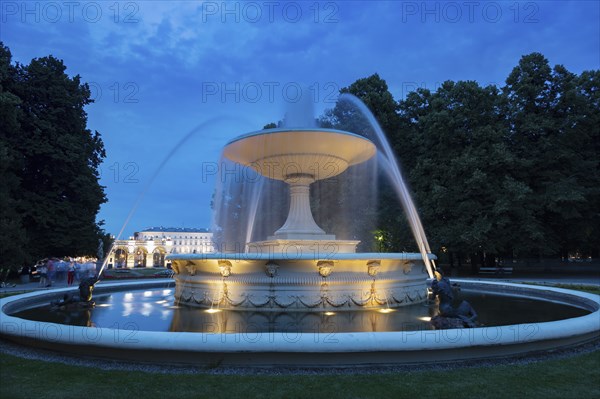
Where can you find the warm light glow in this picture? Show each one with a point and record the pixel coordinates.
(329, 313)
(212, 310)
(425, 318)
(386, 310)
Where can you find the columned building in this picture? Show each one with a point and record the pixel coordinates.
(149, 247)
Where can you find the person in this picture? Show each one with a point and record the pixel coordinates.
(43, 269)
(3, 276)
(71, 273)
(50, 269)
(77, 271)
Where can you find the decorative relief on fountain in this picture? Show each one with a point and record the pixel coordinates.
(271, 269)
(373, 267)
(175, 266)
(225, 268)
(190, 267)
(325, 267)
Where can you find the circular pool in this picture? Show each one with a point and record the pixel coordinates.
(140, 321)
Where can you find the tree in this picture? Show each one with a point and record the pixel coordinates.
(54, 157)
(13, 236)
(550, 117)
(463, 177)
(588, 126)
(373, 91)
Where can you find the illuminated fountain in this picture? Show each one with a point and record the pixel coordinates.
(300, 266)
(276, 298)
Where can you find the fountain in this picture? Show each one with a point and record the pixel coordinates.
(298, 295)
(300, 266)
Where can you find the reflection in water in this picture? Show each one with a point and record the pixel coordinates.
(226, 321)
(154, 310)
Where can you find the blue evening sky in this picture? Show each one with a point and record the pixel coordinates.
(160, 69)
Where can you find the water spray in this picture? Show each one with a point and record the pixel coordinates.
(393, 170)
(165, 160)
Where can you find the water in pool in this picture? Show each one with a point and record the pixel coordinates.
(155, 310)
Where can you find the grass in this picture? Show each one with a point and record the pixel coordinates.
(592, 289)
(141, 272)
(574, 377)
(5, 294)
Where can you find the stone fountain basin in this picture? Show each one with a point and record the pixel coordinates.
(279, 153)
(308, 349)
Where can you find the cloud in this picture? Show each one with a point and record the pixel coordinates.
(160, 68)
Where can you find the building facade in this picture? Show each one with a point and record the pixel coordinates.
(149, 247)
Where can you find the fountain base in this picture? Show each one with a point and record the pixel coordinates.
(279, 281)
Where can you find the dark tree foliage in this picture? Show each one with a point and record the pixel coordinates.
(51, 165)
(13, 237)
(552, 128)
(495, 172)
(270, 126)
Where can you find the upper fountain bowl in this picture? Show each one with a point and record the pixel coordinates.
(284, 154)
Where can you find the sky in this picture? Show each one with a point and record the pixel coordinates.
(161, 71)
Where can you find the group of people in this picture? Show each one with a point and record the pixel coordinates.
(53, 269)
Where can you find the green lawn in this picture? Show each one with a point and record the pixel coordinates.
(5, 294)
(574, 377)
(592, 289)
(135, 272)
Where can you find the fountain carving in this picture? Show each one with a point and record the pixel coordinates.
(449, 316)
(269, 275)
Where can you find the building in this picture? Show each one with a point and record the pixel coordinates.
(149, 247)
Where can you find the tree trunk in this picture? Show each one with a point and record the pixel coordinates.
(474, 263)
(490, 260)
